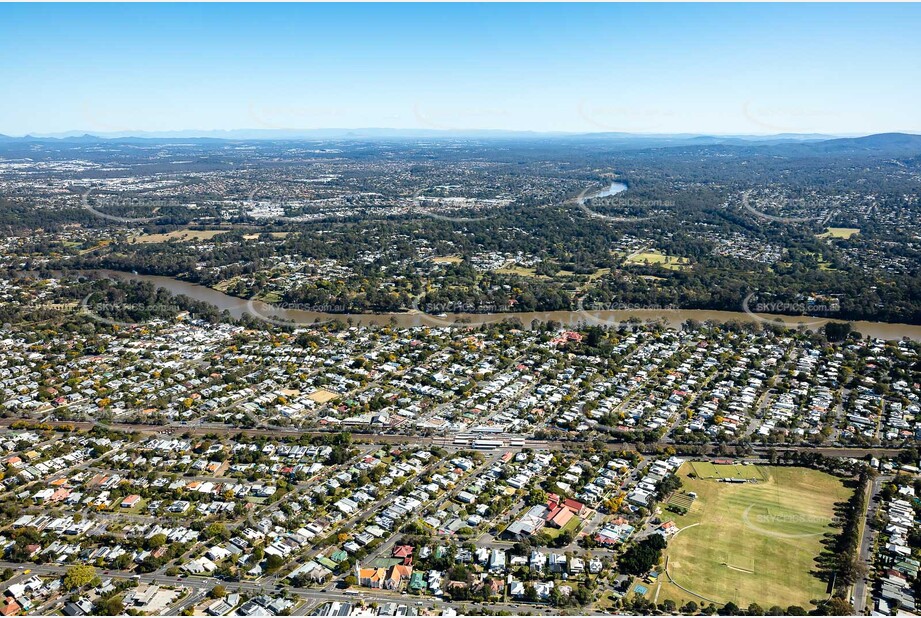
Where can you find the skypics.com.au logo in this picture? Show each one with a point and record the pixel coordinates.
(784, 119)
(588, 194)
(752, 305)
(458, 118)
(778, 524)
(100, 310)
(423, 205)
(623, 118)
(454, 314)
(295, 315)
(260, 205)
(94, 199)
(108, 203)
(797, 205)
(613, 315)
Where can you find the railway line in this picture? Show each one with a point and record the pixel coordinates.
(457, 441)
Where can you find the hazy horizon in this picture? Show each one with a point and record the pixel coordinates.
(269, 133)
(192, 132)
(653, 69)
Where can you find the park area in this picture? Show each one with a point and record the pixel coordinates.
(706, 470)
(840, 232)
(749, 542)
(655, 257)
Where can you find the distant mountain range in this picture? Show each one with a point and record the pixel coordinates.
(879, 141)
(364, 133)
(784, 143)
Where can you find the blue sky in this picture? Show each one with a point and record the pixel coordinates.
(655, 68)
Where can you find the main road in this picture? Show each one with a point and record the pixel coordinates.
(866, 543)
(199, 586)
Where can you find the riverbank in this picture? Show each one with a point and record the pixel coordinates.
(673, 318)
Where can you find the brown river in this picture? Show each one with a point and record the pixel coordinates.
(673, 317)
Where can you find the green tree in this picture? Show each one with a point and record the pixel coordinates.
(537, 496)
(642, 556)
(112, 606)
(217, 530)
(835, 606)
(156, 541)
(273, 563)
(79, 576)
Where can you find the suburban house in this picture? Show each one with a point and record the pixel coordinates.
(388, 579)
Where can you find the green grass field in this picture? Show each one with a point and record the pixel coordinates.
(680, 500)
(707, 470)
(657, 257)
(839, 232)
(752, 542)
(521, 271)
